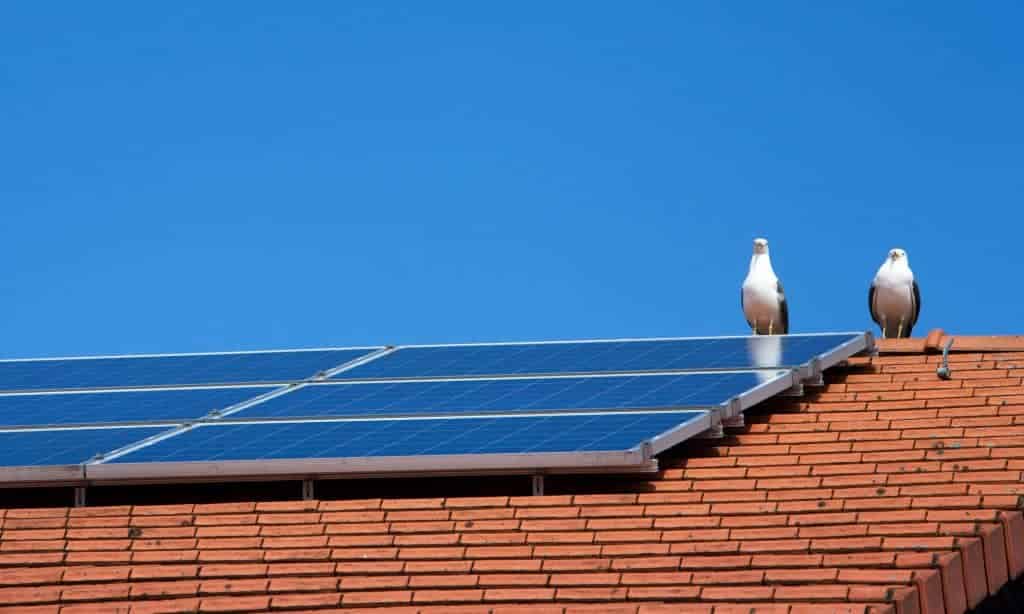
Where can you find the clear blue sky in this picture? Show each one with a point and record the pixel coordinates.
(224, 175)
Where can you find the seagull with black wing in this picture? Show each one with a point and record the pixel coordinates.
(761, 296)
(894, 298)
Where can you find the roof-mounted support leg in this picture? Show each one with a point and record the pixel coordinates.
(79, 496)
(734, 422)
(715, 431)
(538, 485)
(813, 374)
(871, 348)
(307, 490)
(733, 415)
(796, 390)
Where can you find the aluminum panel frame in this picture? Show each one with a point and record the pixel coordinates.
(628, 461)
(43, 475)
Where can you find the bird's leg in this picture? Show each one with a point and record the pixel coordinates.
(885, 329)
(753, 329)
(771, 325)
(899, 329)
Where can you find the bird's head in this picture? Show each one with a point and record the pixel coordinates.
(896, 255)
(760, 246)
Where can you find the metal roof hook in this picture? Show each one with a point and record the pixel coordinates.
(943, 371)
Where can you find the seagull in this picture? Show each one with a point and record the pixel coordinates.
(894, 299)
(761, 296)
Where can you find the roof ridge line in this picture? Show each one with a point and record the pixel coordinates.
(937, 338)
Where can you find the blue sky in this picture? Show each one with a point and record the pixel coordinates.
(210, 176)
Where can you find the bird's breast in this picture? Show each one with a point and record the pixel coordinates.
(761, 300)
(893, 299)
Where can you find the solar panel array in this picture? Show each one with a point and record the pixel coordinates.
(457, 407)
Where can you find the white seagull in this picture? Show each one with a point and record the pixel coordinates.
(761, 296)
(894, 299)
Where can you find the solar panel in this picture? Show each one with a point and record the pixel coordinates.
(600, 356)
(508, 444)
(171, 370)
(534, 407)
(146, 405)
(66, 446)
(585, 432)
(445, 397)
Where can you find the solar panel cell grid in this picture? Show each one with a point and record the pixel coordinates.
(478, 395)
(411, 437)
(598, 356)
(65, 447)
(123, 406)
(196, 369)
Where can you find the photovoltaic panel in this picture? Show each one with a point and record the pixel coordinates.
(599, 356)
(66, 447)
(412, 437)
(171, 370)
(443, 397)
(160, 405)
(532, 407)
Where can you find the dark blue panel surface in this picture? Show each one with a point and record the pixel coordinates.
(530, 394)
(68, 447)
(599, 356)
(126, 406)
(128, 371)
(419, 437)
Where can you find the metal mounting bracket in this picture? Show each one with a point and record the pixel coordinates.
(538, 485)
(715, 431)
(734, 422)
(733, 408)
(732, 415)
(796, 390)
(872, 348)
(814, 376)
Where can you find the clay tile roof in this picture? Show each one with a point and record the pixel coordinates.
(886, 491)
